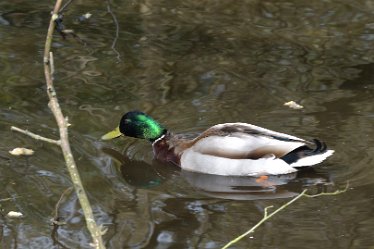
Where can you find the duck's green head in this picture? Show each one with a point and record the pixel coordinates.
(139, 125)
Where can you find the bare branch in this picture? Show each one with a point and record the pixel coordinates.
(266, 211)
(329, 193)
(51, 63)
(65, 6)
(9, 199)
(62, 123)
(36, 136)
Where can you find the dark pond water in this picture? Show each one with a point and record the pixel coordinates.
(190, 64)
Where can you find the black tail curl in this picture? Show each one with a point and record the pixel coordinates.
(305, 151)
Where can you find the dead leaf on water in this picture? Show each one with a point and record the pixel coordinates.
(21, 152)
(293, 105)
(87, 15)
(13, 214)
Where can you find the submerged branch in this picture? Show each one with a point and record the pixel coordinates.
(267, 216)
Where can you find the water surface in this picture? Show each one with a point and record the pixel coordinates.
(190, 65)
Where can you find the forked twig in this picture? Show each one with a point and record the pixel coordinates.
(267, 216)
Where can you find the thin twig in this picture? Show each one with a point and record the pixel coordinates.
(109, 9)
(268, 216)
(9, 199)
(65, 6)
(36, 136)
(266, 210)
(329, 193)
(265, 218)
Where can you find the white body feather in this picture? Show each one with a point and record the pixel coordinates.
(229, 155)
(208, 164)
(312, 160)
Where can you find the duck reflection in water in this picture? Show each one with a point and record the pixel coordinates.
(254, 188)
(141, 174)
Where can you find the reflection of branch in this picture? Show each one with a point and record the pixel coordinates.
(109, 9)
(268, 216)
(56, 218)
(60, 28)
(62, 123)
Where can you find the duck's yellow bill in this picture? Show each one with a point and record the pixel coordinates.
(112, 134)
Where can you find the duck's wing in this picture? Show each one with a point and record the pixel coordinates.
(245, 141)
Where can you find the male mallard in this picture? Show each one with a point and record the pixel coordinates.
(236, 149)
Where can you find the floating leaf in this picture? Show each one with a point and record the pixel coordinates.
(87, 15)
(13, 214)
(21, 152)
(293, 105)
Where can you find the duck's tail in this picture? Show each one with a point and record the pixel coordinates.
(306, 156)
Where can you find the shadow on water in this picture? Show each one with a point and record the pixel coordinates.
(364, 79)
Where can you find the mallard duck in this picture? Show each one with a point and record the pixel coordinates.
(231, 149)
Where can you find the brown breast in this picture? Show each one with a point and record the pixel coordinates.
(163, 151)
